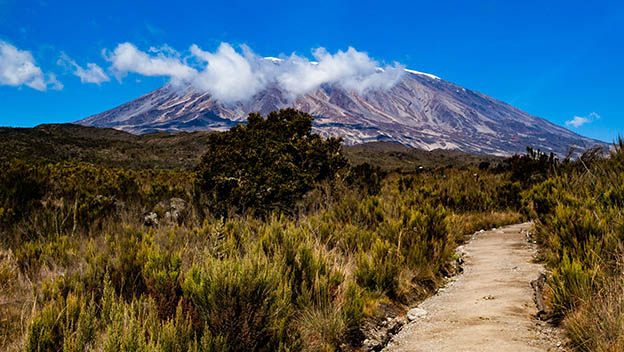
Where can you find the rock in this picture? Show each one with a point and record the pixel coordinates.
(151, 219)
(394, 327)
(454, 267)
(378, 336)
(175, 209)
(120, 206)
(371, 344)
(169, 211)
(538, 296)
(416, 313)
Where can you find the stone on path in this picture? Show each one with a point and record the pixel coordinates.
(416, 313)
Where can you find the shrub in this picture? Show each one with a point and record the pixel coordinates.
(162, 275)
(353, 312)
(578, 217)
(597, 324)
(267, 163)
(67, 323)
(367, 178)
(379, 270)
(509, 195)
(21, 186)
(243, 301)
(322, 328)
(533, 167)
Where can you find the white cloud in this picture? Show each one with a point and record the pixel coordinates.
(52, 81)
(352, 70)
(228, 75)
(231, 76)
(17, 68)
(92, 74)
(579, 121)
(127, 58)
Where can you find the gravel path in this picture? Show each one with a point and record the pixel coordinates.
(489, 307)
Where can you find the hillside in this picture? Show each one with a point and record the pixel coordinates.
(161, 150)
(105, 146)
(388, 155)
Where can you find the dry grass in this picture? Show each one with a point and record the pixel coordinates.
(322, 329)
(16, 302)
(464, 224)
(597, 324)
(344, 255)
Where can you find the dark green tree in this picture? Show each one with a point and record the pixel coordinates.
(533, 167)
(266, 164)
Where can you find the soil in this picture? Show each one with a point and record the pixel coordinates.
(490, 307)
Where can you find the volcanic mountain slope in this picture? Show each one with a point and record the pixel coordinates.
(421, 111)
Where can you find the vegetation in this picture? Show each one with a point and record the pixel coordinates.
(578, 213)
(54, 143)
(393, 156)
(102, 146)
(299, 267)
(267, 164)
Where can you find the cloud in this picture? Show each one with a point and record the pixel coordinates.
(351, 70)
(234, 76)
(17, 68)
(579, 121)
(92, 74)
(230, 76)
(127, 58)
(53, 82)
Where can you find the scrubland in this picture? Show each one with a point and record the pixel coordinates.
(291, 253)
(579, 217)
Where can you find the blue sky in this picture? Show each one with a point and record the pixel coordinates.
(563, 61)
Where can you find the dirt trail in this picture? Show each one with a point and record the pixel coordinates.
(489, 307)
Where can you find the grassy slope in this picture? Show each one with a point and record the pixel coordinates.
(109, 147)
(103, 146)
(394, 155)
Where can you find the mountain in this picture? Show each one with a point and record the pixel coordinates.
(421, 111)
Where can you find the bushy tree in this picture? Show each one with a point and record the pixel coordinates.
(267, 163)
(21, 186)
(533, 167)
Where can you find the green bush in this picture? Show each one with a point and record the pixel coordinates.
(353, 312)
(162, 275)
(379, 270)
(243, 301)
(267, 163)
(578, 216)
(21, 186)
(67, 324)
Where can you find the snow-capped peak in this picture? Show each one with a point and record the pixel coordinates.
(422, 74)
(274, 59)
